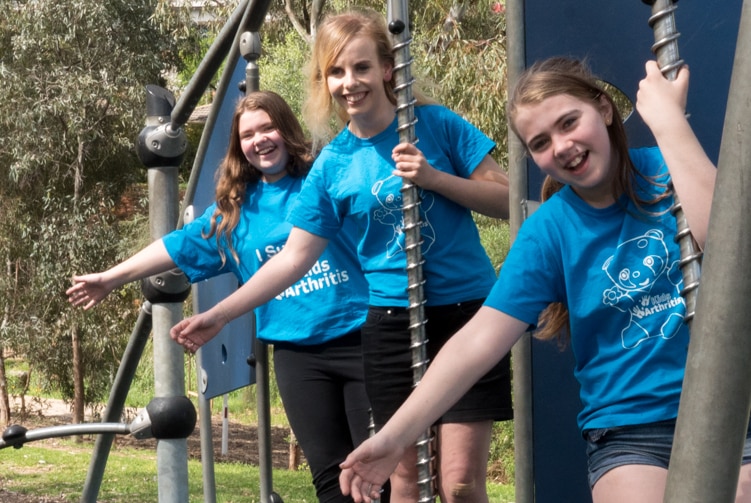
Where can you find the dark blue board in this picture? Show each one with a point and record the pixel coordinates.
(224, 365)
(616, 39)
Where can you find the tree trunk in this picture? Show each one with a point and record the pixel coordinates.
(4, 400)
(299, 28)
(294, 452)
(78, 387)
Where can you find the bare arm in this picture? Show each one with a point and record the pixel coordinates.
(296, 258)
(662, 105)
(89, 289)
(463, 360)
(486, 191)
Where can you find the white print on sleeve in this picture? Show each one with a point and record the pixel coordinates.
(634, 269)
(390, 214)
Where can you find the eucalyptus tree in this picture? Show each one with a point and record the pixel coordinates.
(72, 98)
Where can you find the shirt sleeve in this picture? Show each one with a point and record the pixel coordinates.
(196, 256)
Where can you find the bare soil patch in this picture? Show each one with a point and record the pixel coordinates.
(242, 442)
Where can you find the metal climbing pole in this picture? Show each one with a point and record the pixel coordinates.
(665, 48)
(398, 17)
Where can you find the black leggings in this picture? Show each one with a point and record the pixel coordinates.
(323, 392)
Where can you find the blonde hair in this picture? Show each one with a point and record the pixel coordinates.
(333, 35)
(235, 172)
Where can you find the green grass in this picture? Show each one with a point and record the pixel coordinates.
(131, 475)
(59, 470)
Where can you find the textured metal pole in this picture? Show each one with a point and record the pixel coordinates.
(399, 28)
(716, 400)
(665, 49)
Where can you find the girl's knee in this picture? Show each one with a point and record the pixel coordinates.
(461, 491)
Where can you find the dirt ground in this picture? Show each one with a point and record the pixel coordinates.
(242, 442)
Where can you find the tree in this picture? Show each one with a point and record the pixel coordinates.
(72, 98)
(461, 53)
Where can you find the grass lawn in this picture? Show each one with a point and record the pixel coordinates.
(57, 469)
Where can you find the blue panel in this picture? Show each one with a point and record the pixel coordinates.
(224, 358)
(615, 38)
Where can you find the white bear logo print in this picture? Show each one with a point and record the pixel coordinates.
(634, 269)
(389, 213)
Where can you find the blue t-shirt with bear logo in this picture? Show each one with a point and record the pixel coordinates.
(352, 180)
(328, 302)
(616, 270)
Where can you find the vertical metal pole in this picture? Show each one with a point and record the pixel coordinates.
(399, 28)
(716, 399)
(250, 48)
(161, 147)
(521, 355)
(205, 432)
(665, 49)
(169, 370)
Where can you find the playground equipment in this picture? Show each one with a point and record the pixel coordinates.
(398, 17)
(665, 49)
(716, 402)
(550, 454)
(162, 419)
(226, 351)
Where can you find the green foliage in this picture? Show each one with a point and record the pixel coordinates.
(282, 70)
(141, 390)
(73, 102)
(495, 237)
(69, 239)
(72, 97)
(464, 64)
(501, 465)
(18, 382)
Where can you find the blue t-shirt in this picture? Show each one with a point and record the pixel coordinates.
(328, 302)
(616, 270)
(352, 180)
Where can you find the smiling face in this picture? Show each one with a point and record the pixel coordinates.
(262, 145)
(355, 81)
(568, 139)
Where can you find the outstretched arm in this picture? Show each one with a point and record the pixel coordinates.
(463, 360)
(89, 289)
(485, 191)
(662, 105)
(296, 258)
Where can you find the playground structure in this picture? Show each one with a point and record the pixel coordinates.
(550, 455)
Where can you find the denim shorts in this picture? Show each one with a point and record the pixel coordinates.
(644, 444)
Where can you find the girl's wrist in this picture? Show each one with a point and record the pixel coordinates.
(223, 313)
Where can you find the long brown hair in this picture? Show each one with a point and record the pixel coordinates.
(235, 172)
